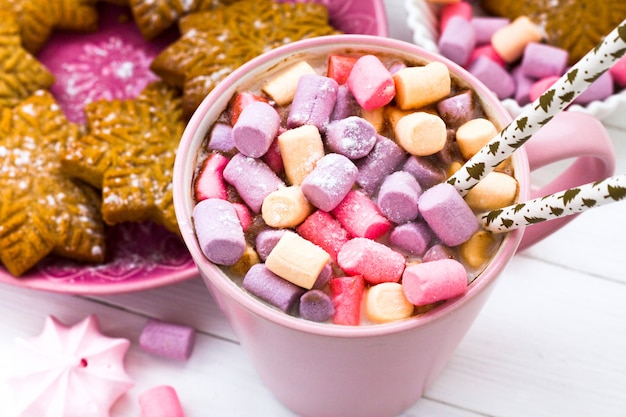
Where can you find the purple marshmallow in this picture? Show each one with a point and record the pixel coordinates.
(345, 105)
(256, 128)
(316, 305)
(522, 86)
(219, 231)
(252, 178)
(169, 340)
(424, 170)
(398, 197)
(600, 89)
(458, 109)
(437, 252)
(458, 40)
(384, 158)
(493, 76)
(221, 138)
(265, 241)
(413, 237)
(447, 214)
(324, 277)
(313, 102)
(353, 137)
(486, 26)
(330, 181)
(271, 288)
(541, 60)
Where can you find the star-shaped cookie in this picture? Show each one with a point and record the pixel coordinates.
(38, 18)
(20, 72)
(129, 153)
(42, 210)
(215, 42)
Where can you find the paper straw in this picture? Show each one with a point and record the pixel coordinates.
(553, 206)
(534, 117)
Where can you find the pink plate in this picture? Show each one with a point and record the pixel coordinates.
(113, 63)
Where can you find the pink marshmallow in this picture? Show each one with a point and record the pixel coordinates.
(160, 401)
(325, 231)
(429, 282)
(371, 83)
(486, 26)
(347, 294)
(600, 89)
(373, 261)
(618, 72)
(523, 84)
(459, 9)
(488, 52)
(169, 340)
(256, 129)
(447, 214)
(541, 86)
(541, 60)
(493, 76)
(210, 182)
(458, 40)
(361, 217)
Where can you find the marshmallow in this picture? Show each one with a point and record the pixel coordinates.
(273, 158)
(458, 109)
(286, 207)
(600, 89)
(252, 178)
(269, 287)
(353, 137)
(486, 51)
(324, 277)
(376, 117)
(345, 105)
(493, 76)
(398, 196)
(316, 305)
(478, 249)
(380, 162)
(221, 138)
(347, 294)
(371, 83)
(374, 261)
(240, 101)
(424, 170)
(474, 135)
(461, 10)
(539, 87)
(160, 401)
(523, 84)
(313, 102)
(243, 214)
(413, 237)
(618, 72)
(457, 40)
(242, 266)
(360, 216)
(422, 85)
(339, 67)
(282, 88)
(541, 60)
(210, 180)
(486, 26)
(297, 260)
(256, 129)
(494, 191)
(300, 148)
(421, 133)
(219, 231)
(330, 181)
(386, 302)
(437, 252)
(265, 241)
(447, 214)
(511, 40)
(429, 282)
(325, 231)
(169, 340)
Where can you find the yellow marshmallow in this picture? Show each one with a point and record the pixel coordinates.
(297, 260)
(300, 149)
(386, 302)
(478, 249)
(511, 40)
(393, 114)
(283, 86)
(286, 207)
(421, 133)
(249, 258)
(494, 191)
(472, 135)
(422, 85)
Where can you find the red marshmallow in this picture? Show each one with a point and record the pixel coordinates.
(347, 293)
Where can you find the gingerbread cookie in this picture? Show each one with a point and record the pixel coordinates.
(38, 18)
(20, 72)
(574, 25)
(43, 211)
(129, 153)
(215, 42)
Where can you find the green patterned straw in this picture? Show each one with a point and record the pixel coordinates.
(563, 92)
(553, 206)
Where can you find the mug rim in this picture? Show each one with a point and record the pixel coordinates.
(198, 127)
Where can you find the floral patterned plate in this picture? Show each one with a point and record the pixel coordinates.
(113, 63)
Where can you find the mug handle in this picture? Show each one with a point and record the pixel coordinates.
(568, 135)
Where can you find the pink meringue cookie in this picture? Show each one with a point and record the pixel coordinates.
(70, 371)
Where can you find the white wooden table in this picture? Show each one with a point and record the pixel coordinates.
(551, 341)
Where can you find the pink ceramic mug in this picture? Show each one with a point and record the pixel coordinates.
(319, 369)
